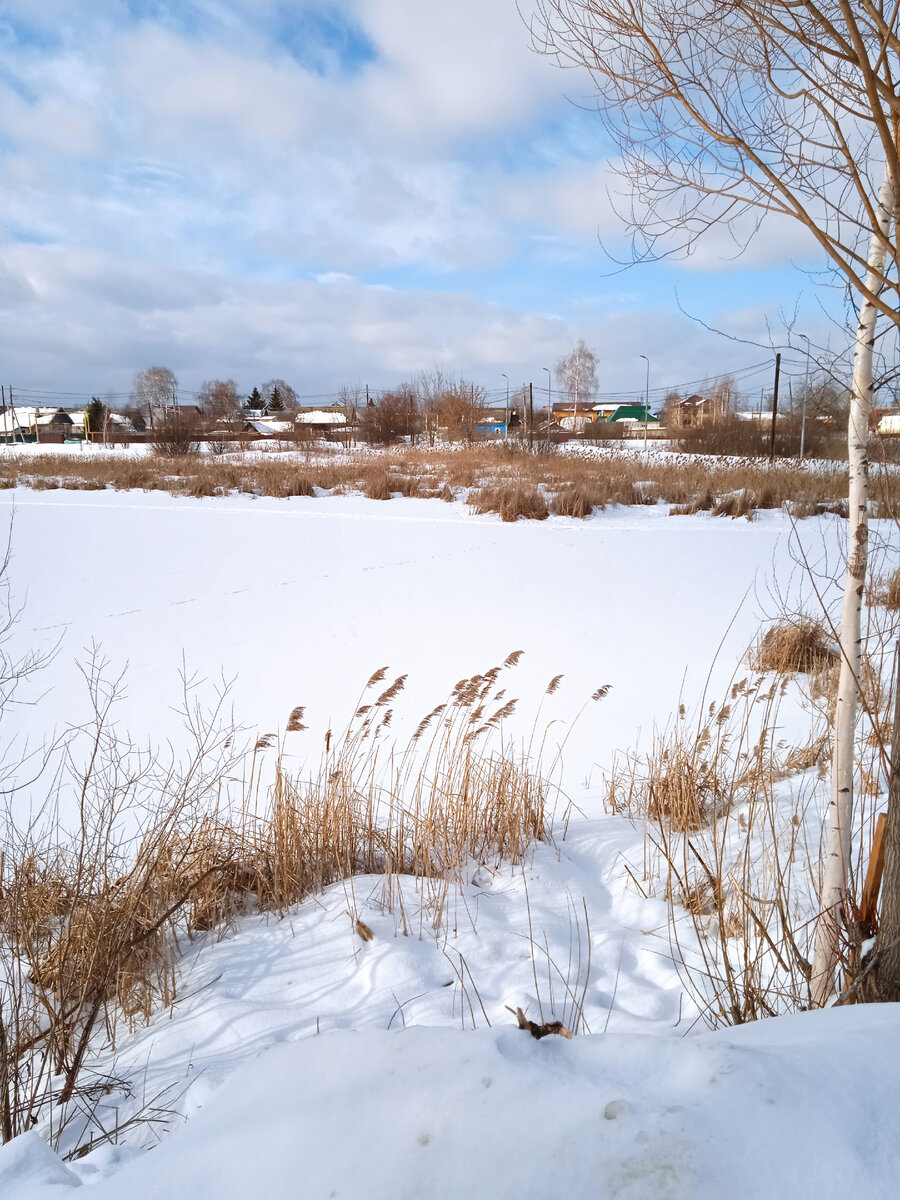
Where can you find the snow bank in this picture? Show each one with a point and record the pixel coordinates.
(786, 1108)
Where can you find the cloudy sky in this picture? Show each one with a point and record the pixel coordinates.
(332, 193)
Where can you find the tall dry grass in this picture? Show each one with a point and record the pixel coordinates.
(732, 820)
(732, 859)
(573, 483)
(91, 921)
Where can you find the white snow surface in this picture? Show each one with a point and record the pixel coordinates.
(298, 601)
(803, 1106)
(301, 1061)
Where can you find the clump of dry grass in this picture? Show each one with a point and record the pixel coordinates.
(814, 753)
(797, 645)
(511, 501)
(683, 787)
(734, 504)
(89, 926)
(378, 487)
(886, 592)
(684, 780)
(701, 502)
(572, 501)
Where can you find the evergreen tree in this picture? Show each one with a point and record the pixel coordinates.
(95, 414)
(276, 404)
(255, 400)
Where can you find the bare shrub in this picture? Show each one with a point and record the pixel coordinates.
(797, 645)
(176, 435)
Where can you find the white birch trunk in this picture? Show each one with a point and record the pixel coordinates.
(836, 867)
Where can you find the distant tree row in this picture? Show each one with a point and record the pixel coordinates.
(155, 393)
(418, 407)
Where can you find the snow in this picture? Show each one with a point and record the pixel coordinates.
(302, 1061)
(792, 1107)
(298, 601)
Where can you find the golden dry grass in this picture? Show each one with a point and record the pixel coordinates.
(88, 923)
(885, 592)
(797, 645)
(579, 481)
(511, 500)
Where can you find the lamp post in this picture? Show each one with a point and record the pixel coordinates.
(805, 397)
(549, 402)
(646, 398)
(506, 377)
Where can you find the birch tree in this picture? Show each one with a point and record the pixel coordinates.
(576, 373)
(154, 392)
(731, 114)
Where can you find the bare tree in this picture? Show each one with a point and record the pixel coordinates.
(432, 387)
(219, 400)
(727, 113)
(385, 420)
(154, 392)
(460, 408)
(576, 374)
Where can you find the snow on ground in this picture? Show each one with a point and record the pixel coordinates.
(298, 601)
(313, 1063)
(794, 1108)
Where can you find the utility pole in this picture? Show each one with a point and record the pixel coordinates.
(12, 409)
(646, 398)
(549, 403)
(530, 417)
(805, 398)
(774, 408)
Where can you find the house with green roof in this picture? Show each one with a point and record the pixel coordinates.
(633, 414)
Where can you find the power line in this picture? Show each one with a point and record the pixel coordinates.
(492, 397)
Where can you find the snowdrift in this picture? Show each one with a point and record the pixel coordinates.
(794, 1107)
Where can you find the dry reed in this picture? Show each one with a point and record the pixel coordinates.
(794, 645)
(89, 924)
(688, 482)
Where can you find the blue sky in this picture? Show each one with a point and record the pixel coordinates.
(332, 193)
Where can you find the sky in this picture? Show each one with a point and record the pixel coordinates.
(339, 193)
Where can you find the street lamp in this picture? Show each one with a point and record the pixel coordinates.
(549, 402)
(646, 397)
(805, 397)
(506, 377)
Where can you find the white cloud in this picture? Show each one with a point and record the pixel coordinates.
(83, 322)
(209, 201)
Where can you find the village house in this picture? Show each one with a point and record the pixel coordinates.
(28, 424)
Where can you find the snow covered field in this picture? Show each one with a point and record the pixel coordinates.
(402, 1077)
(298, 601)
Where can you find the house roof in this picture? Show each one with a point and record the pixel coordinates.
(316, 416)
(266, 425)
(633, 412)
(26, 417)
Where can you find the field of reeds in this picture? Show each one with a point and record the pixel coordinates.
(94, 912)
(492, 478)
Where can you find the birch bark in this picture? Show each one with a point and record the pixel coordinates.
(835, 872)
